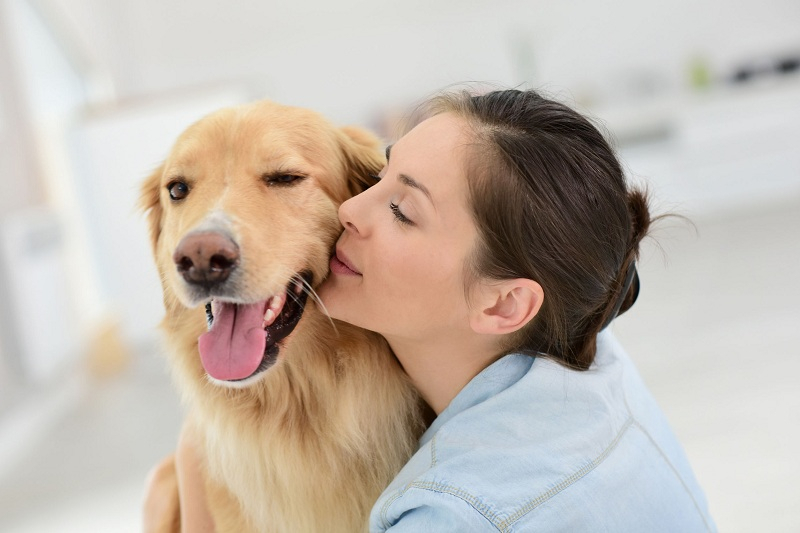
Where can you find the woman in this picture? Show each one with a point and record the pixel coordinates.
(497, 246)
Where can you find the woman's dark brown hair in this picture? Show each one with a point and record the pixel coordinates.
(551, 204)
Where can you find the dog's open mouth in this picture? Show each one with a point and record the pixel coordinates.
(242, 339)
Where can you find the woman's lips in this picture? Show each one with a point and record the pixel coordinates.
(341, 265)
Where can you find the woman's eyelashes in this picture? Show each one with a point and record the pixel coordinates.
(398, 215)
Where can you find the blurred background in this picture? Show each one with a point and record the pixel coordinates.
(701, 97)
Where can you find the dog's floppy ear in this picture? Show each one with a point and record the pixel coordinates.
(150, 203)
(364, 156)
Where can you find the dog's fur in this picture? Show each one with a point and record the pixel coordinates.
(309, 444)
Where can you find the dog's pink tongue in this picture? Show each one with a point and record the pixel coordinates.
(234, 347)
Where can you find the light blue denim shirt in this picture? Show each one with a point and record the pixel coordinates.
(529, 445)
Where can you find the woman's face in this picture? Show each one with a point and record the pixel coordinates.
(399, 264)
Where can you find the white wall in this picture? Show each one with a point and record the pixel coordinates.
(349, 58)
(18, 169)
(18, 188)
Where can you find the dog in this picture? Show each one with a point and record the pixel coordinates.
(301, 420)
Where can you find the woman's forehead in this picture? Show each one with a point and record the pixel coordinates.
(433, 153)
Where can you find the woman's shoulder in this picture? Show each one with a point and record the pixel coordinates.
(531, 440)
(521, 403)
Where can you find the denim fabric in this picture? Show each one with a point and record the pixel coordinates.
(529, 445)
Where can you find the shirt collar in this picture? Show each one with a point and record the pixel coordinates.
(492, 380)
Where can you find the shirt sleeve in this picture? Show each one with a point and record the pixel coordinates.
(432, 511)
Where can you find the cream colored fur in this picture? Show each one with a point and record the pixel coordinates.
(311, 444)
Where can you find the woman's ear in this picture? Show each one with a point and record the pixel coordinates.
(506, 306)
(150, 204)
(364, 158)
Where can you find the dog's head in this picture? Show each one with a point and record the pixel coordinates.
(243, 218)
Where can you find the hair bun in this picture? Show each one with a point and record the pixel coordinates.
(638, 206)
(638, 201)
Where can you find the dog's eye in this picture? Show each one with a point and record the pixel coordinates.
(178, 190)
(282, 179)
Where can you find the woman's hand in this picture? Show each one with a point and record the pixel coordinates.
(175, 500)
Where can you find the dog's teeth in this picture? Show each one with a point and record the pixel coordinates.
(275, 305)
(269, 318)
(209, 315)
(298, 287)
(277, 302)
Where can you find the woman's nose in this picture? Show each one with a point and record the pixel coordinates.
(356, 213)
(347, 215)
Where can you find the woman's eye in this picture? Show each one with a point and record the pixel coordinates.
(178, 190)
(399, 214)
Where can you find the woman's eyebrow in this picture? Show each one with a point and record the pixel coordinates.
(408, 180)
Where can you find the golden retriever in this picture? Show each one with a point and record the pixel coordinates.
(302, 421)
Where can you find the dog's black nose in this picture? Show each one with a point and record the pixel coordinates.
(206, 257)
